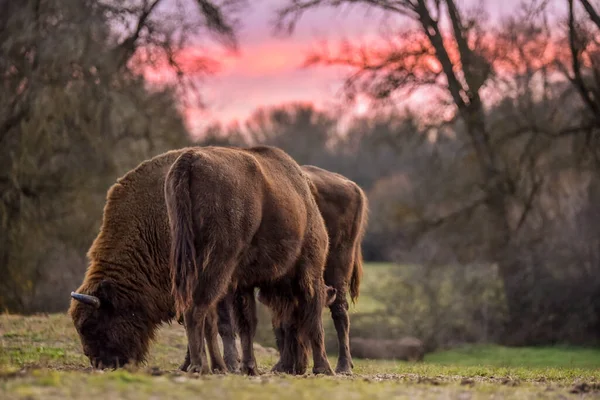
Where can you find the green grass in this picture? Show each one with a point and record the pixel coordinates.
(41, 358)
(372, 281)
(538, 357)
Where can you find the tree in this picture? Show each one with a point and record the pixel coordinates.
(582, 68)
(75, 113)
(505, 157)
(297, 128)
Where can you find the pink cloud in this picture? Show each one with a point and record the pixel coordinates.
(267, 70)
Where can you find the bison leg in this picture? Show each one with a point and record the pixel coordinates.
(245, 311)
(227, 330)
(279, 342)
(186, 363)
(297, 349)
(316, 337)
(339, 314)
(194, 319)
(313, 329)
(313, 299)
(292, 357)
(216, 360)
(279, 297)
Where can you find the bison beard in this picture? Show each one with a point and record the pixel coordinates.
(241, 219)
(344, 208)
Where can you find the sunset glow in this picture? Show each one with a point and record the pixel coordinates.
(361, 106)
(268, 70)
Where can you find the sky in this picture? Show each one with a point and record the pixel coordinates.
(268, 69)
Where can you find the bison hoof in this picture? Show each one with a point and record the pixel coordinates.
(343, 371)
(300, 370)
(184, 367)
(250, 370)
(344, 368)
(325, 370)
(200, 369)
(280, 368)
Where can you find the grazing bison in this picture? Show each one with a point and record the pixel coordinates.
(126, 292)
(344, 207)
(241, 219)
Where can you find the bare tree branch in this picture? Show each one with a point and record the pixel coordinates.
(288, 16)
(577, 78)
(529, 204)
(428, 225)
(590, 10)
(127, 47)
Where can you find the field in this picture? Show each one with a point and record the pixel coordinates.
(41, 358)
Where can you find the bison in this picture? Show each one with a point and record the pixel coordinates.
(126, 293)
(344, 207)
(242, 219)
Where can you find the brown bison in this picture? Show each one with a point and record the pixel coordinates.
(127, 294)
(243, 219)
(344, 207)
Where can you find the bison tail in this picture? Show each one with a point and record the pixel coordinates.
(360, 224)
(182, 262)
(357, 272)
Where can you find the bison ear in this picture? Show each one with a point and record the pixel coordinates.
(331, 294)
(106, 293)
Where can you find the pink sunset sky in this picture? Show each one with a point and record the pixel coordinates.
(268, 69)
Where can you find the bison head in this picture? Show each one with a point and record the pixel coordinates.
(113, 330)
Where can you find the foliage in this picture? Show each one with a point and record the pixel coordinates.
(75, 113)
(517, 102)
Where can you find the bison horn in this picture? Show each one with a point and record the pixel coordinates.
(86, 299)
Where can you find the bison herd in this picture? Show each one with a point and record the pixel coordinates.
(191, 234)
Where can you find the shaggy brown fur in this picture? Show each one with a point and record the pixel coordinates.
(240, 219)
(232, 360)
(128, 269)
(344, 207)
(129, 273)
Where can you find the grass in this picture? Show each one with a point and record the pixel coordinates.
(371, 283)
(41, 358)
(538, 357)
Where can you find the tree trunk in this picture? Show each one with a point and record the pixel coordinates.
(498, 191)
